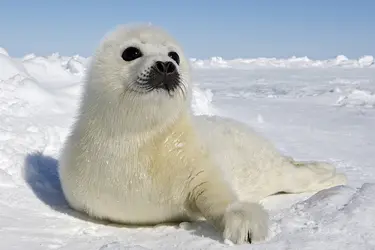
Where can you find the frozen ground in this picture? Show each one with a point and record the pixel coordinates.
(310, 109)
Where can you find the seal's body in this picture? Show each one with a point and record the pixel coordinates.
(254, 167)
(136, 155)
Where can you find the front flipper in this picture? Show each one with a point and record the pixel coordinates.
(238, 221)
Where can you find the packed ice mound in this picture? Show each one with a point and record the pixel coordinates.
(60, 68)
(357, 98)
(9, 67)
(366, 61)
(213, 62)
(202, 102)
(75, 65)
(3, 52)
(293, 62)
(30, 81)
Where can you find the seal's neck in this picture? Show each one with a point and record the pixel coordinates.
(122, 118)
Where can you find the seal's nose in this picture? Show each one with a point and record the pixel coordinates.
(165, 67)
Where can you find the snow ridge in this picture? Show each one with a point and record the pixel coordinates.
(293, 62)
(340, 61)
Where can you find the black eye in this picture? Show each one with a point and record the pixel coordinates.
(131, 53)
(174, 56)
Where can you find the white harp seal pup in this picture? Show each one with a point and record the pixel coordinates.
(136, 154)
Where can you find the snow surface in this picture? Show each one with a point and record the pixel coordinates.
(322, 110)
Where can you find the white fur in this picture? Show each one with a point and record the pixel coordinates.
(142, 158)
(254, 167)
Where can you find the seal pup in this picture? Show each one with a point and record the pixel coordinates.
(137, 155)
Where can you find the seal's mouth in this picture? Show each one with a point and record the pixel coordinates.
(160, 76)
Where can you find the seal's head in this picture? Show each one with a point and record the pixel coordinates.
(142, 71)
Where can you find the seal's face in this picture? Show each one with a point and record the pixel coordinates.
(145, 61)
(162, 74)
(141, 75)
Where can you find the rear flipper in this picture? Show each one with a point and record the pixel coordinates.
(309, 176)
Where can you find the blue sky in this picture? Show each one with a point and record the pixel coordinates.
(237, 28)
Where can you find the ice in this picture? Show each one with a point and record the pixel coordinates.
(293, 62)
(357, 98)
(310, 109)
(10, 68)
(202, 102)
(3, 52)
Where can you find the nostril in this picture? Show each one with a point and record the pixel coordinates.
(160, 67)
(171, 68)
(165, 67)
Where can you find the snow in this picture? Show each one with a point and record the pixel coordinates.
(310, 109)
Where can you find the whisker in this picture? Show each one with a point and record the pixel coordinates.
(149, 81)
